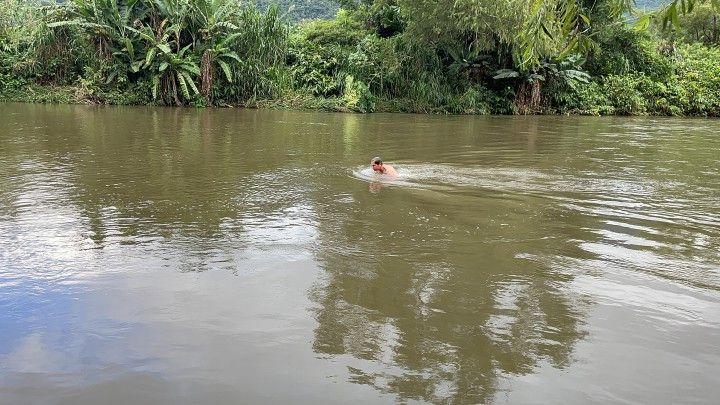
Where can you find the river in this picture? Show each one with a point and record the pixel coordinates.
(182, 256)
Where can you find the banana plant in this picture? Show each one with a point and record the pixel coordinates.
(468, 60)
(173, 69)
(528, 97)
(215, 17)
(218, 55)
(109, 21)
(215, 36)
(176, 12)
(168, 69)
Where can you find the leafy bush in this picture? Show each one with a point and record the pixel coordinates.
(357, 96)
(317, 69)
(590, 99)
(623, 51)
(344, 30)
(698, 73)
(473, 101)
(376, 62)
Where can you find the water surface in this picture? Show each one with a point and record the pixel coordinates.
(166, 256)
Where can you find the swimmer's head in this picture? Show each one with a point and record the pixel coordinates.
(377, 164)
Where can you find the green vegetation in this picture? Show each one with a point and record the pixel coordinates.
(427, 56)
(182, 52)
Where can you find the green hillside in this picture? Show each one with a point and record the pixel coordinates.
(298, 10)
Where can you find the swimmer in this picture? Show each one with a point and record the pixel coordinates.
(379, 167)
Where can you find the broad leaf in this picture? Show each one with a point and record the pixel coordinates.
(225, 68)
(111, 76)
(229, 39)
(150, 55)
(191, 67)
(135, 66)
(129, 47)
(165, 48)
(505, 74)
(231, 55)
(190, 81)
(183, 86)
(182, 51)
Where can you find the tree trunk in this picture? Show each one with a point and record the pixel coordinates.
(174, 91)
(207, 76)
(207, 72)
(528, 98)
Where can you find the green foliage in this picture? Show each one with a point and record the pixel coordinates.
(624, 51)
(345, 30)
(693, 90)
(21, 24)
(377, 61)
(589, 100)
(383, 17)
(357, 96)
(167, 42)
(317, 69)
(699, 76)
(624, 94)
(526, 31)
(31, 49)
(475, 100)
(702, 25)
(10, 83)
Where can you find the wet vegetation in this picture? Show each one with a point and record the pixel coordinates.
(474, 57)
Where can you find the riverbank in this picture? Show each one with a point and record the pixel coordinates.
(618, 95)
(690, 87)
(377, 57)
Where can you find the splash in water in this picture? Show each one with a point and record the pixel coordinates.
(447, 177)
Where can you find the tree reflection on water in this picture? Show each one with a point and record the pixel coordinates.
(436, 301)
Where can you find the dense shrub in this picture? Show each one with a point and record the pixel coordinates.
(357, 96)
(698, 73)
(317, 69)
(344, 30)
(624, 50)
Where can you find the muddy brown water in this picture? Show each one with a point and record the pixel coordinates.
(166, 256)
